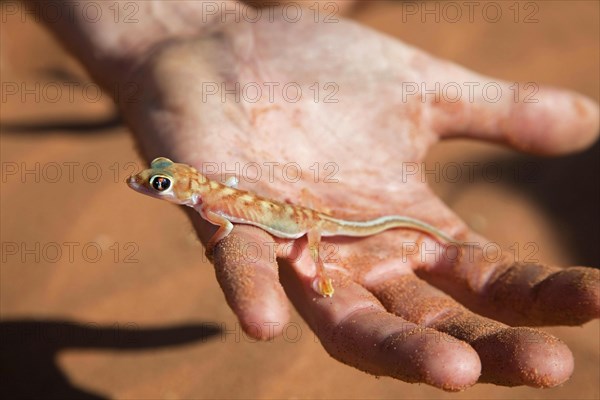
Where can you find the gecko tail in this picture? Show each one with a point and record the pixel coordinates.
(338, 227)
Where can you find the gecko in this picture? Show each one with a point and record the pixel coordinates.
(223, 204)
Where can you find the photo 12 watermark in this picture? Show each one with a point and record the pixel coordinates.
(452, 12)
(471, 172)
(70, 92)
(269, 92)
(271, 11)
(65, 171)
(272, 171)
(70, 252)
(118, 12)
(469, 92)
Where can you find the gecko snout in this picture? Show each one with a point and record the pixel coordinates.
(133, 181)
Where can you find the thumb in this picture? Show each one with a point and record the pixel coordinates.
(525, 116)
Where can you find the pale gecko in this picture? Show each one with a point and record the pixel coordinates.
(222, 204)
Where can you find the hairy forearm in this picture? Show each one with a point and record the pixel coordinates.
(111, 38)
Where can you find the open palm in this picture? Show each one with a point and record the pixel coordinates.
(350, 145)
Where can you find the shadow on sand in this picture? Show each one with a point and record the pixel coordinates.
(28, 351)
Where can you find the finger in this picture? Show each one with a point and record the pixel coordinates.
(246, 269)
(509, 356)
(526, 116)
(355, 329)
(518, 293)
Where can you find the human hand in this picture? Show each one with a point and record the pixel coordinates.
(386, 317)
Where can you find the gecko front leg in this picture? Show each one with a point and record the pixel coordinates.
(323, 283)
(225, 227)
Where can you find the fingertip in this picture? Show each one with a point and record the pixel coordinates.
(263, 318)
(263, 323)
(250, 283)
(524, 356)
(546, 362)
(259, 303)
(570, 296)
(445, 362)
(552, 122)
(542, 360)
(539, 120)
(381, 344)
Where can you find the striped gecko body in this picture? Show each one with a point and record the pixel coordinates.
(223, 205)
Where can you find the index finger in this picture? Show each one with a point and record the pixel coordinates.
(247, 272)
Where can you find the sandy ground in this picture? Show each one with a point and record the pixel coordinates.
(98, 300)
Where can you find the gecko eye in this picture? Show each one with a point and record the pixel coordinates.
(160, 183)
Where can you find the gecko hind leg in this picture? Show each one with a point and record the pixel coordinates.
(323, 284)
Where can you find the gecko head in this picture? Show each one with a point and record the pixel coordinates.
(165, 180)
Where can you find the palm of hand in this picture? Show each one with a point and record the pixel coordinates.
(356, 120)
